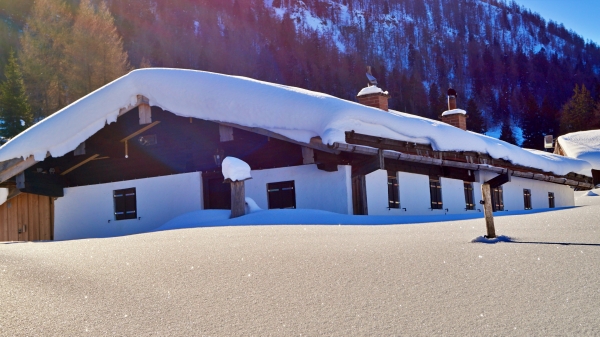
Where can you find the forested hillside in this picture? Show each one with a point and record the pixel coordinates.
(515, 68)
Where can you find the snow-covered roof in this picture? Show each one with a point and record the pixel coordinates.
(372, 89)
(292, 112)
(454, 112)
(584, 145)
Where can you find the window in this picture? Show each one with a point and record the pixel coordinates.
(125, 204)
(393, 198)
(435, 190)
(497, 199)
(281, 195)
(469, 203)
(527, 198)
(551, 199)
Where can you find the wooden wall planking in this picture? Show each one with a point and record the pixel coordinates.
(29, 212)
(3, 222)
(23, 217)
(34, 217)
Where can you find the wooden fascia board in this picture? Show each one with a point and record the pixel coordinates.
(314, 144)
(18, 166)
(427, 154)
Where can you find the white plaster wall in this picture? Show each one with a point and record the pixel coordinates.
(85, 211)
(315, 189)
(513, 194)
(414, 194)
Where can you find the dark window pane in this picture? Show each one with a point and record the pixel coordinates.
(551, 199)
(435, 191)
(527, 198)
(469, 203)
(125, 204)
(281, 195)
(393, 198)
(497, 199)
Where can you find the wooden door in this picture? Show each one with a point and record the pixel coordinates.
(217, 195)
(27, 217)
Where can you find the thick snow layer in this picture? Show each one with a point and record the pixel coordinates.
(296, 113)
(235, 169)
(372, 89)
(584, 145)
(251, 206)
(454, 112)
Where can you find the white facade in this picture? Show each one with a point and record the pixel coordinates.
(88, 211)
(315, 189)
(415, 197)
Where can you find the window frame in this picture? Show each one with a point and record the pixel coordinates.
(435, 193)
(469, 196)
(497, 199)
(551, 200)
(393, 190)
(126, 208)
(527, 199)
(282, 188)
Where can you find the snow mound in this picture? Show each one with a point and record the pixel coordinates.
(584, 145)
(590, 193)
(484, 239)
(251, 206)
(454, 112)
(292, 112)
(235, 169)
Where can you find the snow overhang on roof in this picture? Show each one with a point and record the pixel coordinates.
(292, 112)
(584, 145)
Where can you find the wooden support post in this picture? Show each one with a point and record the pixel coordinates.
(238, 199)
(486, 192)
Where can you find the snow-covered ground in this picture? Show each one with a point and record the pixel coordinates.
(424, 279)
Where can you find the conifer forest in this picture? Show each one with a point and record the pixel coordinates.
(518, 75)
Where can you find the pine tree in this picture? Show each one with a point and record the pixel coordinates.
(14, 108)
(42, 57)
(475, 120)
(532, 125)
(96, 53)
(506, 133)
(578, 113)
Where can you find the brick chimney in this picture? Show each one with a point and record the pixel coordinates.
(376, 99)
(372, 95)
(453, 116)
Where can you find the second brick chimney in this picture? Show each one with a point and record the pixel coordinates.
(453, 116)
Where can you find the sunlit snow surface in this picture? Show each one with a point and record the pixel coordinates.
(293, 112)
(583, 145)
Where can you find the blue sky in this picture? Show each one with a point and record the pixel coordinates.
(582, 16)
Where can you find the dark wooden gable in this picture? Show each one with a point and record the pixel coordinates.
(174, 145)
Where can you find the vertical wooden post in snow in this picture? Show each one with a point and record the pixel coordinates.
(486, 193)
(238, 199)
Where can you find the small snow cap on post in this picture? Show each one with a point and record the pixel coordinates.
(235, 169)
(235, 172)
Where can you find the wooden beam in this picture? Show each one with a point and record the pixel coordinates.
(238, 199)
(499, 180)
(139, 131)
(140, 100)
(16, 168)
(486, 192)
(81, 163)
(314, 143)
